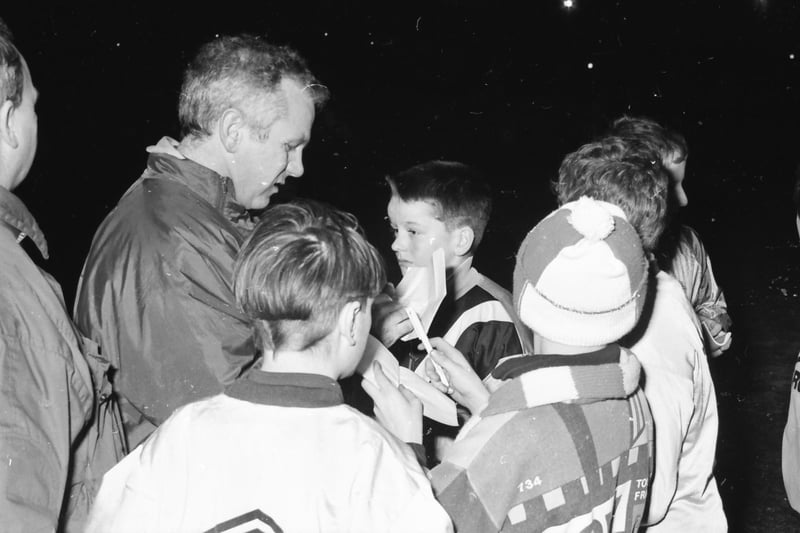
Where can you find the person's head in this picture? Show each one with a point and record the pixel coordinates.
(256, 103)
(438, 204)
(18, 120)
(623, 172)
(670, 144)
(580, 278)
(306, 278)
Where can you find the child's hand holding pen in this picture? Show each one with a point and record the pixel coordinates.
(389, 319)
(460, 380)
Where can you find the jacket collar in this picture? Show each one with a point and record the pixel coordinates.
(286, 389)
(17, 217)
(217, 190)
(535, 380)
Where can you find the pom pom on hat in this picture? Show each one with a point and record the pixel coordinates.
(581, 275)
(591, 219)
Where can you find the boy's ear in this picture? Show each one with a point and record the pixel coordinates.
(347, 321)
(8, 134)
(464, 237)
(230, 129)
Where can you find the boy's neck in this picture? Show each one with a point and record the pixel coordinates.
(458, 277)
(299, 363)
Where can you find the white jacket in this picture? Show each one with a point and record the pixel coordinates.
(225, 462)
(683, 495)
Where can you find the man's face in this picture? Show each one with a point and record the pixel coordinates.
(26, 126)
(260, 165)
(677, 172)
(418, 233)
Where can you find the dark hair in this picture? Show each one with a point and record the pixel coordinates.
(243, 72)
(303, 262)
(459, 192)
(661, 139)
(623, 172)
(11, 72)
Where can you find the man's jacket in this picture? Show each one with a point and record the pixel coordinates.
(156, 290)
(59, 430)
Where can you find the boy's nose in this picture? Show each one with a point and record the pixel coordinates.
(397, 245)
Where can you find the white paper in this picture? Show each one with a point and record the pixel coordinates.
(435, 404)
(423, 289)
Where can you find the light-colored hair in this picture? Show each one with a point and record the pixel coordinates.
(623, 172)
(242, 72)
(303, 262)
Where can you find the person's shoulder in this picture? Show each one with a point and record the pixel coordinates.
(690, 242)
(493, 289)
(670, 295)
(481, 290)
(506, 430)
(671, 329)
(186, 423)
(28, 291)
(160, 214)
(373, 439)
(154, 201)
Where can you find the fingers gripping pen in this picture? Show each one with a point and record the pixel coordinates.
(420, 331)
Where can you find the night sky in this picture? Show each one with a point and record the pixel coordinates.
(509, 90)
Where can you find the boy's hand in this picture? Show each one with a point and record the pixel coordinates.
(389, 319)
(396, 408)
(465, 386)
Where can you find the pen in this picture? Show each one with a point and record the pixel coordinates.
(420, 331)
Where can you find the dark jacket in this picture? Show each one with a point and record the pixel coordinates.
(56, 439)
(156, 290)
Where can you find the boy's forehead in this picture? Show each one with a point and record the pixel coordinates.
(413, 210)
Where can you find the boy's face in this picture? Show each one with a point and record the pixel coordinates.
(418, 233)
(677, 172)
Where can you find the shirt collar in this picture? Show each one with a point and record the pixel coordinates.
(286, 389)
(15, 215)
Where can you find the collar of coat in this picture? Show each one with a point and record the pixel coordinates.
(610, 373)
(285, 389)
(217, 190)
(17, 217)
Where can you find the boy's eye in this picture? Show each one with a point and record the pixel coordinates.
(412, 232)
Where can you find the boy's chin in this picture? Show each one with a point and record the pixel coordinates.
(405, 266)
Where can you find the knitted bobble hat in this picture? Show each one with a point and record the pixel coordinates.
(581, 275)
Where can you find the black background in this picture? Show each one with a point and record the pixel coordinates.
(503, 86)
(505, 89)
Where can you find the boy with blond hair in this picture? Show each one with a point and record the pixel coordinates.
(278, 448)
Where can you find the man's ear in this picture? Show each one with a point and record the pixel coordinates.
(231, 129)
(8, 132)
(348, 320)
(464, 237)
